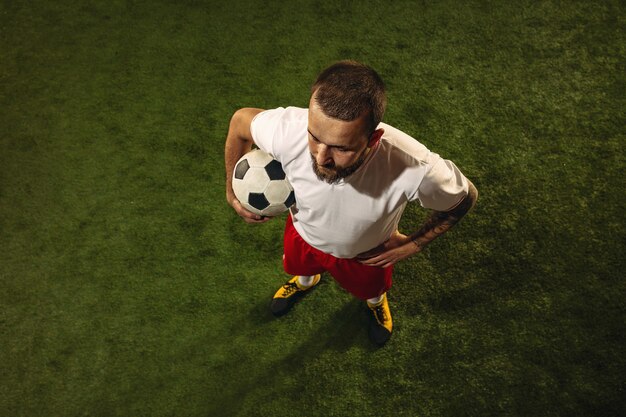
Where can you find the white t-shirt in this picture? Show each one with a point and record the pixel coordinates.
(364, 209)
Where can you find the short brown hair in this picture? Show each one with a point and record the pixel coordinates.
(348, 89)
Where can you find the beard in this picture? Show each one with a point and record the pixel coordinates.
(332, 174)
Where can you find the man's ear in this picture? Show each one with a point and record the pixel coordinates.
(378, 133)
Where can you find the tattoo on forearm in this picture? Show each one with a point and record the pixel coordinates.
(438, 223)
(442, 221)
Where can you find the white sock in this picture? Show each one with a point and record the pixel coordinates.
(305, 280)
(376, 300)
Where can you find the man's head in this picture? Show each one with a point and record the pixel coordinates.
(348, 90)
(347, 103)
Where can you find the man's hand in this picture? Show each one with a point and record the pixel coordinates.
(395, 249)
(247, 215)
(400, 246)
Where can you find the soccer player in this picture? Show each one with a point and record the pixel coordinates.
(353, 176)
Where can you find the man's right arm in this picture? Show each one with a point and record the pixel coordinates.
(239, 142)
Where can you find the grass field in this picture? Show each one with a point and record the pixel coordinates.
(130, 288)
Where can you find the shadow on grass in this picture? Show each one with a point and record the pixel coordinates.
(338, 332)
(343, 330)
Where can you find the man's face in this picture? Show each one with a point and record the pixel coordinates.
(338, 148)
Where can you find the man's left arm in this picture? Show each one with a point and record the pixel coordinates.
(400, 246)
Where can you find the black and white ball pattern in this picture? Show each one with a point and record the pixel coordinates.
(260, 185)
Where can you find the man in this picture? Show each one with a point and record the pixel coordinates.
(353, 176)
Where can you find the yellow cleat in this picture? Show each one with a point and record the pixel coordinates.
(288, 294)
(381, 324)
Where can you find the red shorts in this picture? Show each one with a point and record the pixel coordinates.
(362, 281)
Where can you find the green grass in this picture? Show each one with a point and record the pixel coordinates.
(129, 287)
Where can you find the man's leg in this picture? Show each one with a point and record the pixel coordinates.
(300, 261)
(306, 281)
(370, 284)
(381, 324)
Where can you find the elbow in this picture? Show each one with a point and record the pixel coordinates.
(472, 194)
(466, 204)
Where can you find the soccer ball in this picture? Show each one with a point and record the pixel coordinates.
(260, 185)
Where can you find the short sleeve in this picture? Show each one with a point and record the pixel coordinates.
(263, 129)
(443, 186)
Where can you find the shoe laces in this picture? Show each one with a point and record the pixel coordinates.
(379, 313)
(290, 288)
